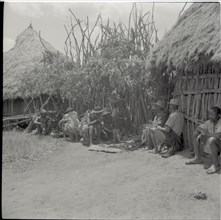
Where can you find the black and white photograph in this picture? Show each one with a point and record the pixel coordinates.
(111, 110)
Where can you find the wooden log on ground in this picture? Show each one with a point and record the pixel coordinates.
(16, 123)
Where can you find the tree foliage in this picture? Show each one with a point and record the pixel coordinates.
(113, 65)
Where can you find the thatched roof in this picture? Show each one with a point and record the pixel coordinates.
(23, 58)
(196, 31)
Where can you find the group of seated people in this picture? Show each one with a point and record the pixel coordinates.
(162, 136)
(90, 127)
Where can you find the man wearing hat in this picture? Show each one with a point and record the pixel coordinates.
(169, 134)
(69, 124)
(159, 119)
(42, 123)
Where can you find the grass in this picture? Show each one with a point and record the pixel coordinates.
(18, 146)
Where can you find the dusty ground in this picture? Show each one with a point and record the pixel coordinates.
(76, 183)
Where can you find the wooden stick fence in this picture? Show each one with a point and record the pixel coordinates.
(198, 90)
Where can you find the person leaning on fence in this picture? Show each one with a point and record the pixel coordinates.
(69, 124)
(208, 136)
(42, 123)
(168, 136)
(159, 119)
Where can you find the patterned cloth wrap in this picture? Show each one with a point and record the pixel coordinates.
(72, 123)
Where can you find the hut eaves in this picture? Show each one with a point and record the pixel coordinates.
(196, 31)
(23, 58)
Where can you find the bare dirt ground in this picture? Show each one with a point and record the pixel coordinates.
(76, 183)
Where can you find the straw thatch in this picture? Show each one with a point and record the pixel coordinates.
(197, 31)
(189, 57)
(23, 58)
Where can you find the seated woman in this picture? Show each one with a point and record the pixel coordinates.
(69, 124)
(159, 119)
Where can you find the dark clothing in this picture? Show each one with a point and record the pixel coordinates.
(107, 127)
(43, 125)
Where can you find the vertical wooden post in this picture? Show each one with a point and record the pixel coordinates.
(12, 106)
(41, 100)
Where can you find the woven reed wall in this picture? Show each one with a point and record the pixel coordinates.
(198, 90)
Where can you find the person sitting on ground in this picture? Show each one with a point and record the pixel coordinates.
(58, 116)
(91, 126)
(169, 135)
(107, 125)
(42, 122)
(208, 135)
(95, 125)
(69, 124)
(159, 119)
(83, 128)
(118, 123)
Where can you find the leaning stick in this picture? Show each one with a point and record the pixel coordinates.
(34, 117)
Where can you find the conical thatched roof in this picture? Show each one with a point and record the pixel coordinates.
(196, 31)
(24, 57)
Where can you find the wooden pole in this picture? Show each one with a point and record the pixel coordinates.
(27, 106)
(15, 123)
(28, 129)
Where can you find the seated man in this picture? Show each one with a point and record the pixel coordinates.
(42, 123)
(69, 124)
(58, 116)
(107, 125)
(83, 128)
(91, 125)
(169, 135)
(159, 119)
(208, 135)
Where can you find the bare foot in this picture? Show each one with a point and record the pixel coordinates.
(194, 161)
(213, 169)
(154, 151)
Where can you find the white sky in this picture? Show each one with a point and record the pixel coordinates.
(50, 17)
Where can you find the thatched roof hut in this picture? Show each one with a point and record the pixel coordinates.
(23, 58)
(197, 31)
(191, 52)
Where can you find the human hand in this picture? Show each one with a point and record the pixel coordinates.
(154, 127)
(202, 137)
